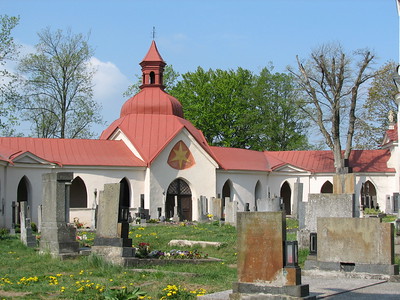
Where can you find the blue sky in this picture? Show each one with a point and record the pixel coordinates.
(223, 34)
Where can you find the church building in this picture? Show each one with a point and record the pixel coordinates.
(163, 161)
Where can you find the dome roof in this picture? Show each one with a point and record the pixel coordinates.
(154, 101)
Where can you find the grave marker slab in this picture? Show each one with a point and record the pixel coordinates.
(58, 236)
(261, 270)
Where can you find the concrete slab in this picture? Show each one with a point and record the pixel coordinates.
(339, 288)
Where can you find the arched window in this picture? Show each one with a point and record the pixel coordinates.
(286, 194)
(368, 195)
(327, 188)
(257, 194)
(152, 78)
(78, 195)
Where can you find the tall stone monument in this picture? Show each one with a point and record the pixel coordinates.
(27, 237)
(263, 268)
(112, 240)
(58, 236)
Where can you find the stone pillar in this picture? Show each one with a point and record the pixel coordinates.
(297, 198)
(39, 224)
(175, 218)
(27, 238)
(261, 270)
(58, 236)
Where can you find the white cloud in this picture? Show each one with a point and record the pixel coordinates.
(109, 85)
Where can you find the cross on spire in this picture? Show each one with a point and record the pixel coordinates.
(153, 33)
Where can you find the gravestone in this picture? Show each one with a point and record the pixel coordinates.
(58, 236)
(231, 209)
(297, 198)
(14, 214)
(262, 273)
(203, 208)
(261, 205)
(322, 205)
(27, 238)
(274, 204)
(364, 245)
(216, 206)
(111, 241)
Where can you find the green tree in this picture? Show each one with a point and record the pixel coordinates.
(373, 121)
(281, 124)
(59, 90)
(331, 80)
(242, 110)
(8, 80)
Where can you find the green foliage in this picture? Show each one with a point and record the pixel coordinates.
(373, 121)
(58, 86)
(8, 80)
(123, 294)
(237, 108)
(34, 227)
(371, 211)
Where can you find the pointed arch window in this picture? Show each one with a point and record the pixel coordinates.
(152, 78)
(327, 188)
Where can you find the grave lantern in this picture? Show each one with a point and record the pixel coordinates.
(313, 243)
(291, 254)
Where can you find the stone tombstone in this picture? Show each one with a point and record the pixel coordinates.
(322, 205)
(175, 217)
(203, 208)
(231, 208)
(273, 204)
(297, 198)
(27, 238)
(344, 183)
(216, 207)
(111, 239)
(260, 260)
(58, 236)
(262, 205)
(354, 244)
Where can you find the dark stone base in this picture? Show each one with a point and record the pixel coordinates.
(112, 242)
(244, 290)
(313, 264)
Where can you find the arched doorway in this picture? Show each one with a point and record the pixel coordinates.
(368, 195)
(257, 194)
(286, 194)
(180, 191)
(124, 197)
(226, 193)
(78, 196)
(23, 195)
(327, 188)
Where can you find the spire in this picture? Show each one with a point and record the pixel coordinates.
(152, 68)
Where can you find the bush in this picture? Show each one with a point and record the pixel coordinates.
(34, 227)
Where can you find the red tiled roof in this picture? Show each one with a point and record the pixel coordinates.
(151, 133)
(241, 159)
(362, 161)
(71, 151)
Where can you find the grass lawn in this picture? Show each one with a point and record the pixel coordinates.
(24, 274)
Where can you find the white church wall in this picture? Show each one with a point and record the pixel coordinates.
(94, 179)
(201, 177)
(243, 186)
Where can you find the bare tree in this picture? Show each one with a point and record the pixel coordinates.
(59, 88)
(331, 81)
